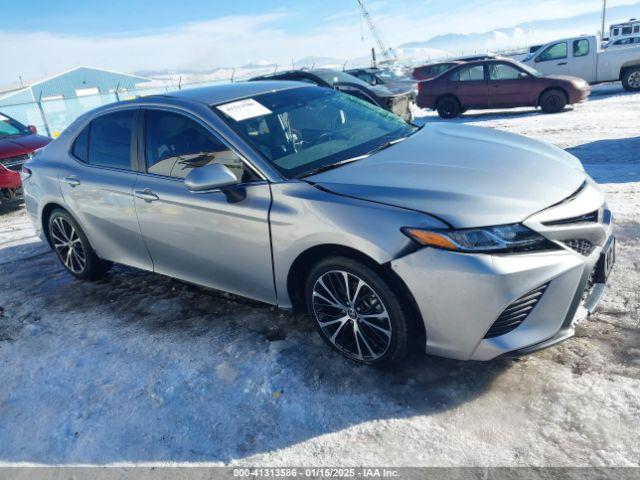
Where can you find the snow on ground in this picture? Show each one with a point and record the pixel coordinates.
(142, 368)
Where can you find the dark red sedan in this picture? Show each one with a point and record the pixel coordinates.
(499, 83)
(432, 70)
(17, 144)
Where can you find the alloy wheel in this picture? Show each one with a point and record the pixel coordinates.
(68, 245)
(634, 80)
(351, 315)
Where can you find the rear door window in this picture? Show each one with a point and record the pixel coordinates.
(472, 73)
(110, 140)
(580, 47)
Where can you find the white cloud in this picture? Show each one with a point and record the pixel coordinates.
(235, 40)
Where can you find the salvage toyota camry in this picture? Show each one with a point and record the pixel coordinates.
(464, 242)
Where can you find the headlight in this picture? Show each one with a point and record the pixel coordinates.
(503, 238)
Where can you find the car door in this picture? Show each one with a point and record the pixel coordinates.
(582, 64)
(220, 238)
(553, 60)
(97, 185)
(469, 85)
(509, 86)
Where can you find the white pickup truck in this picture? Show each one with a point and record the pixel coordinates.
(583, 57)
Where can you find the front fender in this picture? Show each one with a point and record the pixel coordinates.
(304, 216)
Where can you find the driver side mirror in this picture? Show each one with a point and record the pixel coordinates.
(210, 177)
(33, 129)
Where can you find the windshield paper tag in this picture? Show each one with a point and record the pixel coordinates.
(244, 109)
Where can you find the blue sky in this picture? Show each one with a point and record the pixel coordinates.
(132, 35)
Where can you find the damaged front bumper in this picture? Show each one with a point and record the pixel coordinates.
(463, 298)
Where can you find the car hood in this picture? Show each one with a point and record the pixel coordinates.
(467, 176)
(12, 146)
(392, 89)
(401, 86)
(565, 78)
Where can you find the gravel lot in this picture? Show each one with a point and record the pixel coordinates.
(139, 368)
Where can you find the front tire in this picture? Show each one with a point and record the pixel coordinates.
(553, 101)
(73, 248)
(631, 79)
(357, 312)
(448, 107)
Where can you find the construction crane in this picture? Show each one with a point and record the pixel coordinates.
(387, 53)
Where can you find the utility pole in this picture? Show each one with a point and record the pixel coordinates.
(604, 15)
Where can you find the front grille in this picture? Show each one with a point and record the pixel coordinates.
(587, 218)
(14, 163)
(516, 313)
(581, 246)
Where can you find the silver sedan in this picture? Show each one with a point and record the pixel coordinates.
(459, 241)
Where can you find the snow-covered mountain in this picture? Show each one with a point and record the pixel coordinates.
(438, 47)
(524, 34)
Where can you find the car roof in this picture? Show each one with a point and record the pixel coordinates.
(444, 62)
(227, 92)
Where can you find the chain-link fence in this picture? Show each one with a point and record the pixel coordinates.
(52, 116)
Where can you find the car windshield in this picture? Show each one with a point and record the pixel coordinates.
(303, 130)
(10, 128)
(388, 75)
(336, 76)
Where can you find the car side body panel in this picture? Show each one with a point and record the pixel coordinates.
(300, 215)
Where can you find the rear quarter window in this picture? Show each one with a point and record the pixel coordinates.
(106, 141)
(81, 145)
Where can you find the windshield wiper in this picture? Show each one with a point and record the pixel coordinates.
(331, 166)
(386, 145)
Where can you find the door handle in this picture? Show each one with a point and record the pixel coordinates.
(562, 63)
(71, 180)
(147, 195)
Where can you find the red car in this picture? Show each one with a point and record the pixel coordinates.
(432, 70)
(17, 144)
(498, 83)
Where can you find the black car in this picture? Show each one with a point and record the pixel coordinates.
(382, 76)
(396, 100)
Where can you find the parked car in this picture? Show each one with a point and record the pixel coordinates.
(583, 57)
(301, 197)
(623, 42)
(498, 84)
(383, 76)
(476, 57)
(432, 70)
(396, 100)
(17, 144)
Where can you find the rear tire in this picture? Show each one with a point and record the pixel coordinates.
(553, 101)
(448, 107)
(631, 79)
(73, 248)
(358, 313)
